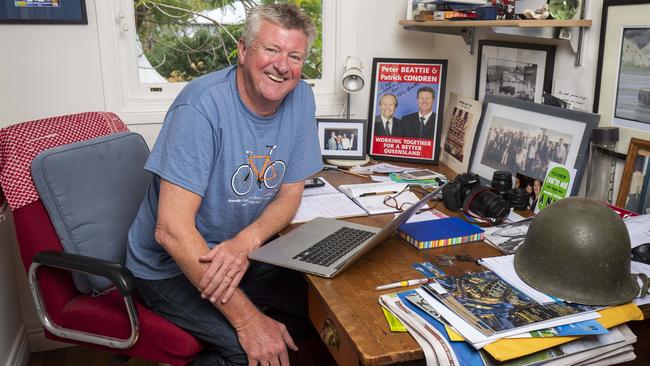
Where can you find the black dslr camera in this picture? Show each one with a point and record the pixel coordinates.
(465, 192)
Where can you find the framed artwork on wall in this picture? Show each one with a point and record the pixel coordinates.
(406, 109)
(524, 137)
(622, 95)
(518, 70)
(43, 12)
(342, 138)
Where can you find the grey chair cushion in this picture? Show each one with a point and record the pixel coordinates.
(92, 191)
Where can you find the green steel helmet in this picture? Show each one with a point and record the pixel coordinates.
(578, 250)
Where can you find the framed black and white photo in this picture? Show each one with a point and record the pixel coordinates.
(43, 12)
(406, 109)
(523, 137)
(517, 70)
(622, 95)
(342, 138)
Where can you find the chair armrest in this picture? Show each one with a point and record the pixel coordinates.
(119, 275)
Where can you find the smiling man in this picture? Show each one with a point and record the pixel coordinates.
(421, 124)
(229, 166)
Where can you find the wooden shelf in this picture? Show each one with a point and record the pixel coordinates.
(527, 28)
(528, 23)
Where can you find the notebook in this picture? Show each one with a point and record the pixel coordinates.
(324, 247)
(440, 232)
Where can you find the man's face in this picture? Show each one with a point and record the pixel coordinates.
(425, 102)
(270, 67)
(387, 106)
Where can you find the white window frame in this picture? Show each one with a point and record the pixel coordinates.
(136, 103)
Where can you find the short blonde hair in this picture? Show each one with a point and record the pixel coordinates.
(288, 16)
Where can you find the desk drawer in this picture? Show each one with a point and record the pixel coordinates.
(337, 341)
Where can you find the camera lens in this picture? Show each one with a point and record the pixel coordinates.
(502, 182)
(518, 198)
(482, 201)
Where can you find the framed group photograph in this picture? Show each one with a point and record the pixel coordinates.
(406, 109)
(518, 70)
(524, 138)
(342, 138)
(622, 93)
(43, 12)
(458, 132)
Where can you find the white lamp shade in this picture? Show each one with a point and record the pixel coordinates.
(352, 80)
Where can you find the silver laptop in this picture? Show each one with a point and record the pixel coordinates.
(324, 247)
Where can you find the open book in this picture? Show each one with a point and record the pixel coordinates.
(371, 196)
(350, 200)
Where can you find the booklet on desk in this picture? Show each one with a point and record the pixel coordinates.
(440, 232)
(326, 201)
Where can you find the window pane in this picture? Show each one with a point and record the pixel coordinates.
(179, 40)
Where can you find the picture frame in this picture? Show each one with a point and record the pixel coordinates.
(340, 130)
(409, 124)
(43, 12)
(523, 137)
(519, 70)
(633, 190)
(458, 132)
(622, 90)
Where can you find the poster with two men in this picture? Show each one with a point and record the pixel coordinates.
(406, 109)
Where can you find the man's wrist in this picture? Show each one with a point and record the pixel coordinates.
(247, 321)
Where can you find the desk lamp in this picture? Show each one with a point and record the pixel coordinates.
(352, 82)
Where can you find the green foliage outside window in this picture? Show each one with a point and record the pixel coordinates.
(180, 49)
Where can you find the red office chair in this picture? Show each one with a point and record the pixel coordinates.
(113, 321)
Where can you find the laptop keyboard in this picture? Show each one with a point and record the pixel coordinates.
(333, 247)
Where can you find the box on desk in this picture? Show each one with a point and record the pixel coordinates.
(439, 233)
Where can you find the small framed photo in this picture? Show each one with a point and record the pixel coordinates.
(406, 109)
(523, 137)
(342, 138)
(43, 12)
(518, 70)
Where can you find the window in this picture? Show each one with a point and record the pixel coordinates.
(142, 75)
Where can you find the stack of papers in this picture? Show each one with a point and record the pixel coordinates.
(481, 311)
(326, 201)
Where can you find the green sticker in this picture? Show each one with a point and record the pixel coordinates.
(555, 186)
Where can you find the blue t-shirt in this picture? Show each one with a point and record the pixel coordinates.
(202, 147)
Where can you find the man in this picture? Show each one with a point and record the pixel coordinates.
(331, 143)
(189, 243)
(386, 124)
(421, 124)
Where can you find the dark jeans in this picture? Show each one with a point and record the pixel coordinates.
(278, 292)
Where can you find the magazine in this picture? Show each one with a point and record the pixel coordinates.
(491, 305)
(508, 237)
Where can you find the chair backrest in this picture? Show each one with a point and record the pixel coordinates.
(92, 191)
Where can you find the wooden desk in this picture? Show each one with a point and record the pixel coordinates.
(346, 309)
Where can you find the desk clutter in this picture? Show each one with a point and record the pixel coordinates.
(498, 316)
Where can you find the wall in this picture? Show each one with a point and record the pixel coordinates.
(51, 70)
(13, 345)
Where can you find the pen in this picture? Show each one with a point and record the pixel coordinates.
(377, 193)
(351, 173)
(419, 281)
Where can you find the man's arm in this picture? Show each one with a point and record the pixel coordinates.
(261, 337)
(229, 260)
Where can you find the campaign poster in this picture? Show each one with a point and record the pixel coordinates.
(406, 109)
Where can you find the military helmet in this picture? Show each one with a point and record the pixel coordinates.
(578, 250)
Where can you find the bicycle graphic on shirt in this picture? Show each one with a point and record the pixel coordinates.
(270, 174)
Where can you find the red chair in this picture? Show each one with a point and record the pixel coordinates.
(115, 321)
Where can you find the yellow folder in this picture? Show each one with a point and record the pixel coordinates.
(509, 348)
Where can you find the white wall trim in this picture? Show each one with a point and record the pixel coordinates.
(19, 355)
(36, 338)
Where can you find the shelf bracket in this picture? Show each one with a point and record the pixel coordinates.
(467, 33)
(468, 37)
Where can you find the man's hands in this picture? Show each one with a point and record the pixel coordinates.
(265, 341)
(228, 263)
